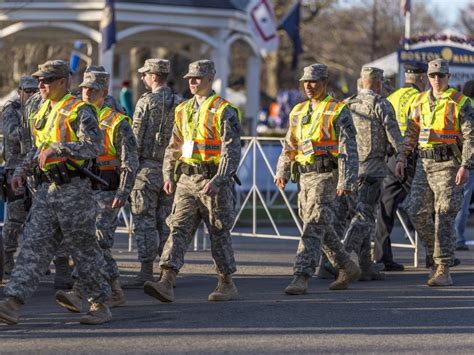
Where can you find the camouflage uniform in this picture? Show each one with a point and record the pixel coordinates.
(434, 190)
(376, 125)
(68, 208)
(152, 125)
(317, 190)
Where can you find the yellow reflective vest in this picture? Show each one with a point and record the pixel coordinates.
(443, 122)
(57, 127)
(319, 128)
(109, 120)
(205, 131)
(402, 100)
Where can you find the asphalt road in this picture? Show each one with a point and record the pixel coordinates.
(400, 314)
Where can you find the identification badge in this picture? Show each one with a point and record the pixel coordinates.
(188, 148)
(307, 147)
(424, 135)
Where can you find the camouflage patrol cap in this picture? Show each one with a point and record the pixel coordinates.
(28, 82)
(52, 69)
(200, 68)
(371, 73)
(98, 68)
(155, 66)
(314, 72)
(95, 80)
(438, 66)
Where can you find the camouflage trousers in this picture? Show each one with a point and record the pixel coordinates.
(12, 229)
(66, 214)
(150, 207)
(434, 191)
(362, 226)
(191, 206)
(316, 209)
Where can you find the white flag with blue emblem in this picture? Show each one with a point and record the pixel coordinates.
(262, 22)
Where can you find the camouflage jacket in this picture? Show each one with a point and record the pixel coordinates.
(12, 118)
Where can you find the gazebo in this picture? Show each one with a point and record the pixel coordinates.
(193, 29)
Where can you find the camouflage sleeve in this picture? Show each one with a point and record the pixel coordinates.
(230, 131)
(88, 134)
(125, 143)
(411, 136)
(172, 154)
(466, 119)
(385, 110)
(348, 162)
(140, 118)
(288, 153)
(28, 164)
(11, 119)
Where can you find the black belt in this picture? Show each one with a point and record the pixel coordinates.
(58, 179)
(321, 165)
(437, 153)
(208, 170)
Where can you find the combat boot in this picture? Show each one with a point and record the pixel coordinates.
(145, 274)
(323, 272)
(225, 290)
(99, 313)
(10, 310)
(118, 297)
(71, 300)
(298, 285)
(9, 263)
(163, 289)
(432, 271)
(350, 272)
(369, 274)
(441, 277)
(63, 278)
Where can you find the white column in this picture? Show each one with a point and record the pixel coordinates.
(107, 61)
(220, 57)
(252, 82)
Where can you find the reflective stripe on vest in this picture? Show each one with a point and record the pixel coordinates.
(320, 128)
(402, 100)
(206, 131)
(109, 120)
(444, 121)
(58, 127)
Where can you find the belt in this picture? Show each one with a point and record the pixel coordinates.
(206, 169)
(321, 165)
(438, 153)
(47, 177)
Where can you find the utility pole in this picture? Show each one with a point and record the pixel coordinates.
(374, 31)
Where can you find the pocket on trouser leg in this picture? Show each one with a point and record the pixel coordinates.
(138, 201)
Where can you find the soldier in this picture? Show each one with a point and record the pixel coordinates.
(320, 153)
(441, 127)
(202, 158)
(14, 127)
(394, 190)
(377, 127)
(152, 125)
(66, 132)
(118, 163)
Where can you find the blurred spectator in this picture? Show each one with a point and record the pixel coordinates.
(125, 98)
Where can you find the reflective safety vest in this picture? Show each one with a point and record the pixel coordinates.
(205, 131)
(402, 100)
(443, 122)
(57, 127)
(319, 128)
(109, 120)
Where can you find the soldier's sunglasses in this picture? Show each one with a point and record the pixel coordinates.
(30, 91)
(439, 75)
(48, 81)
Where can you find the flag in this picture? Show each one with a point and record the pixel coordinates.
(261, 19)
(107, 26)
(405, 6)
(291, 24)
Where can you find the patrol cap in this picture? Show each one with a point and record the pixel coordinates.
(52, 69)
(314, 72)
(438, 66)
(28, 82)
(95, 80)
(371, 73)
(415, 67)
(200, 68)
(155, 66)
(98, 68)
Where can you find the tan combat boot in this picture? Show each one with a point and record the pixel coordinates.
(9, 263)
(145, 274)
(163, 289)
(10, 310)
(298, 285)
(99, 313)
(118, 297)
(350, 272)
(432, 271)
(63, 278)
(71, 300)
(225, 290)
(441, 277)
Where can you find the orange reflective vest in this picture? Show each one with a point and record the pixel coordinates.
(57, 127)
(443, 123)
(203, 128)
(319, 128)
(109, 120)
